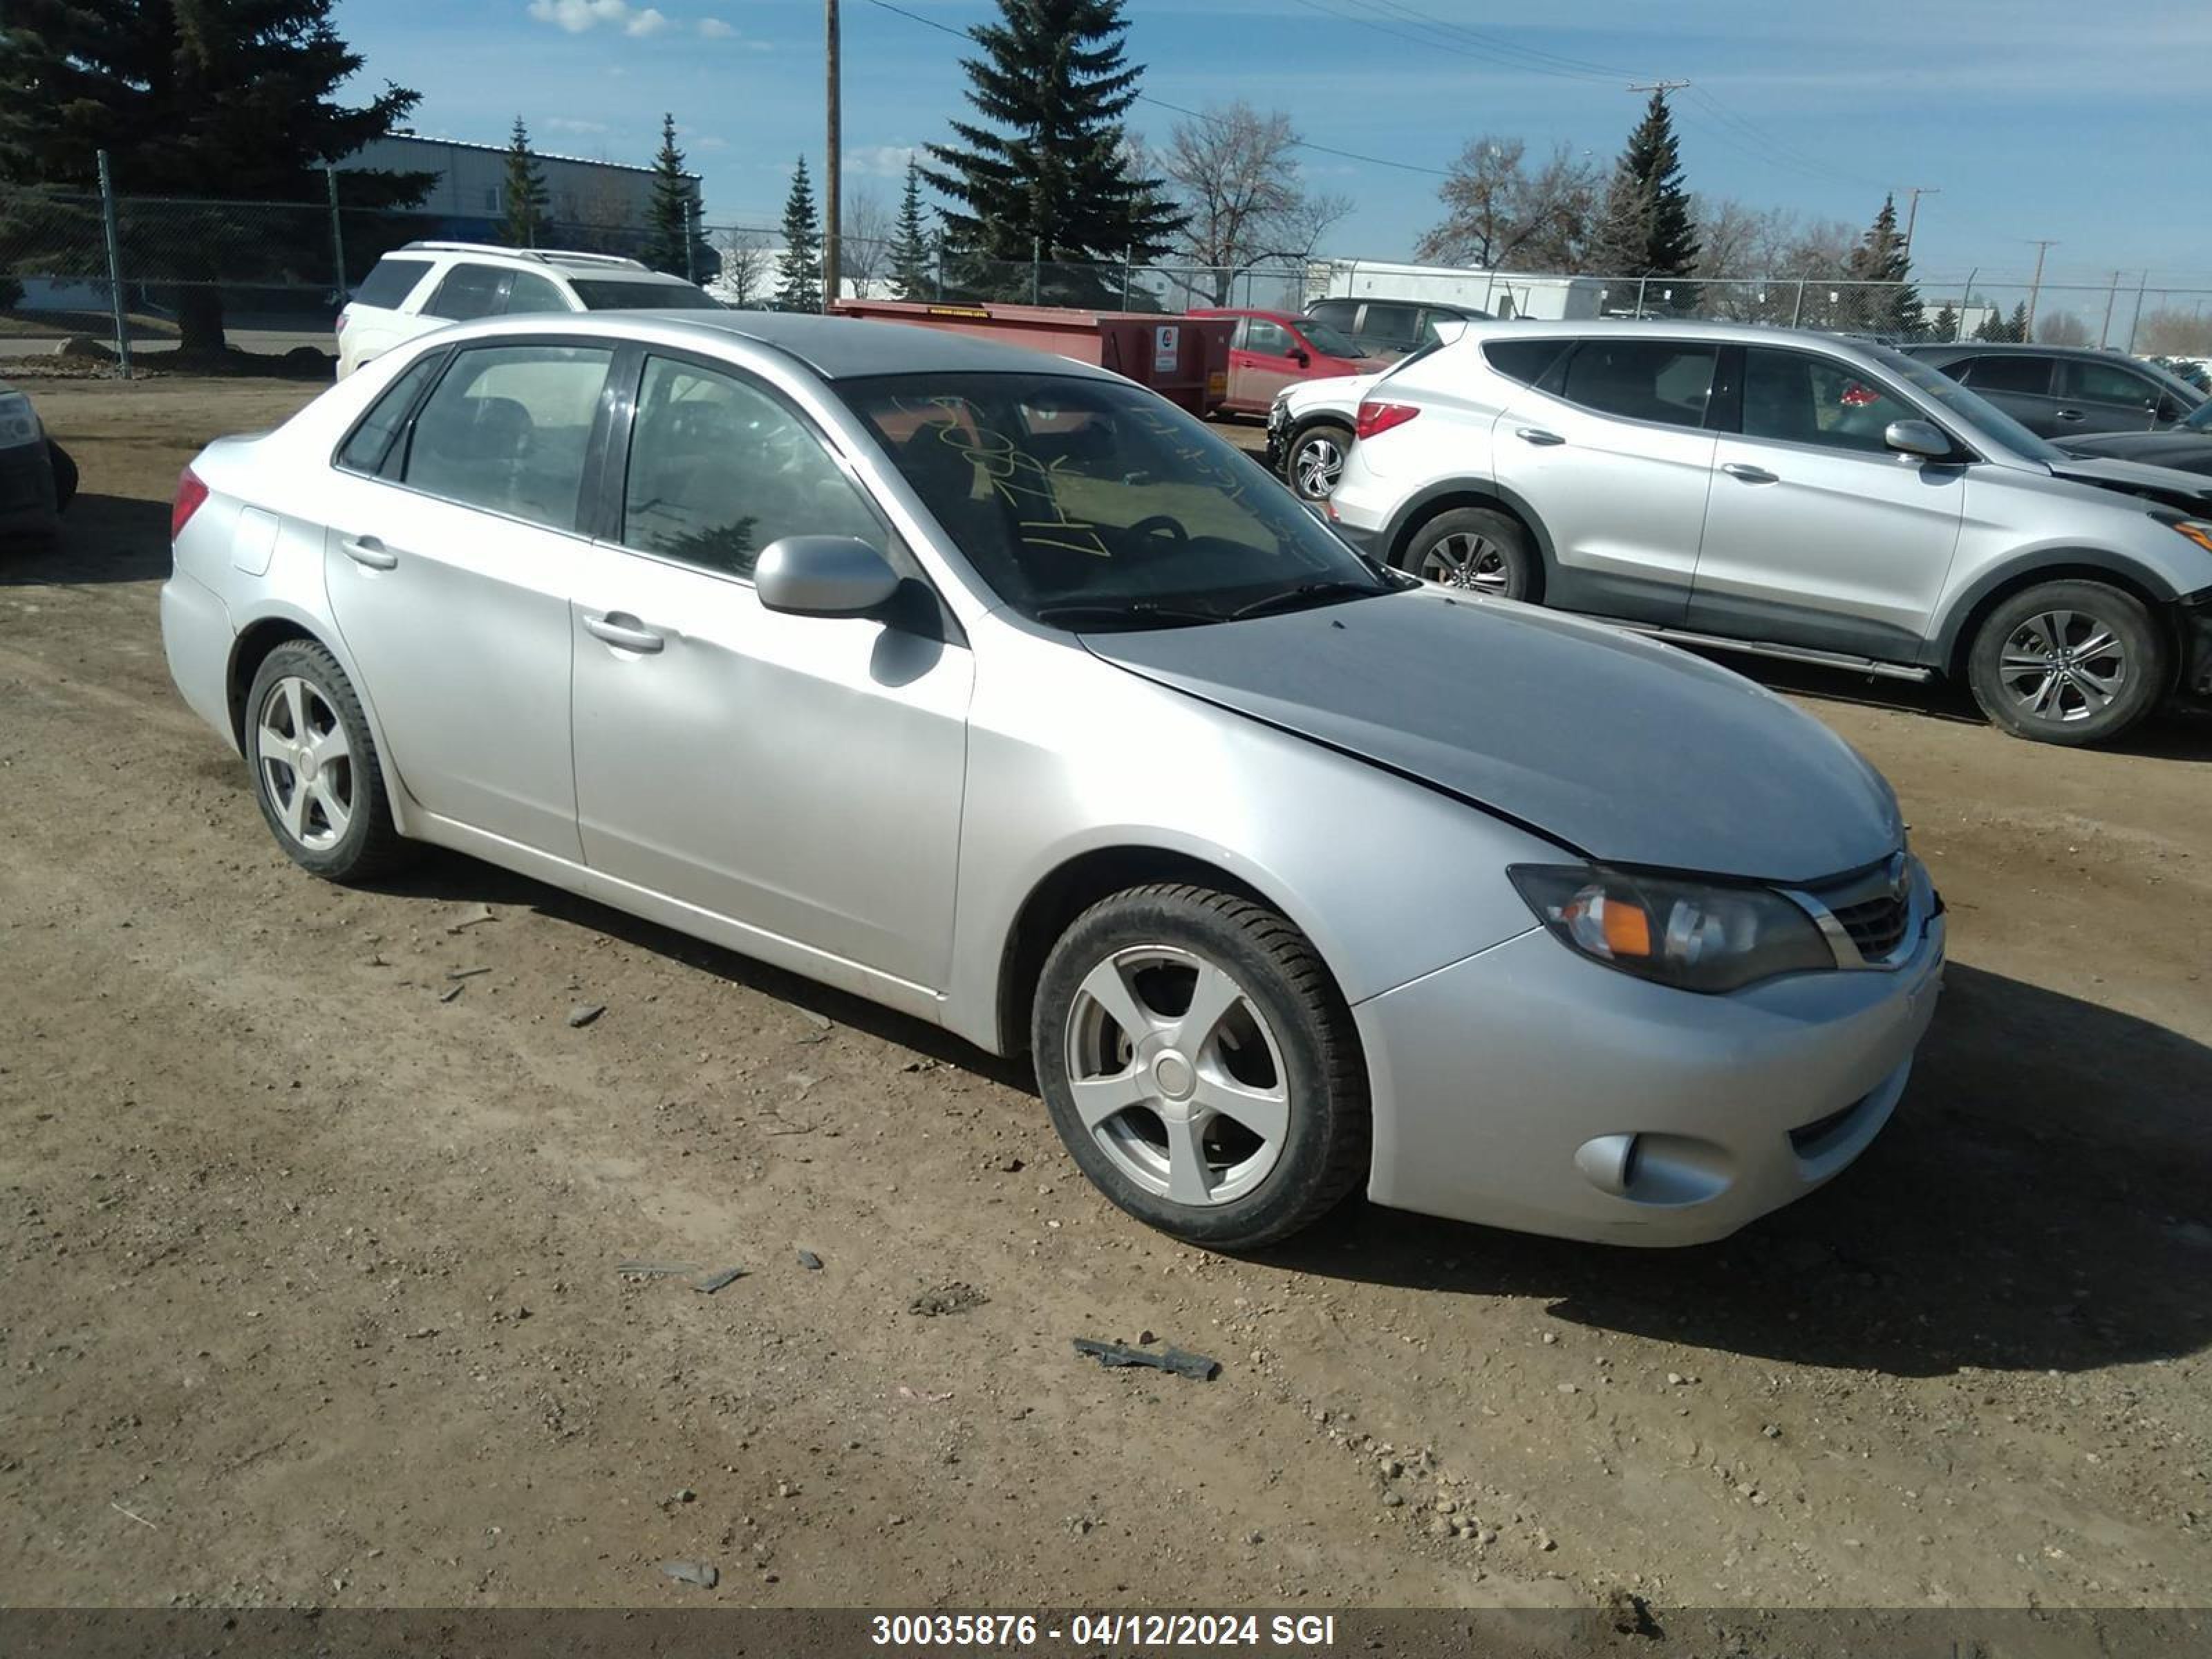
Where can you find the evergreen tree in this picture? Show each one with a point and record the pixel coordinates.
(1991, 327)
(1647, 226)
(1944, 326)
(1893, 306)
(1053, 175)
(2016, 326)
(798, 272)
(910, 269)
(668, 210)
(235, 100)
(526, 191)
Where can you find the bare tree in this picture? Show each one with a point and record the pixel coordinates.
(1498, 214)
(747, 272)
(2062, 328)
(864, 244)
(1236, 176)
(2170, 333)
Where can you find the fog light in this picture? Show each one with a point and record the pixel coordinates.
(1609, 1161)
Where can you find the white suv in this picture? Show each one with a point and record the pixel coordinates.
(425, 285)
(1796, 495)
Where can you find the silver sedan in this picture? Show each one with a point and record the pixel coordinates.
(994, 688)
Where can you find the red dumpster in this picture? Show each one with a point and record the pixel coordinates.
(1184, 359)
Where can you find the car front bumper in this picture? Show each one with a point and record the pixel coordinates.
(2195, 685)
(1506, 1083)
(1279, 440)
(26, 490)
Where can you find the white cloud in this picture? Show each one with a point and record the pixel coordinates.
(715, 29)
(880, 161)
(570, 124)
(577, 17)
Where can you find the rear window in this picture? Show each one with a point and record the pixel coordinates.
(1525, 361)
(1657, 381)
(390, 282)
(599, 294)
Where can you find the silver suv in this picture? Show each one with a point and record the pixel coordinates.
(1793, 495)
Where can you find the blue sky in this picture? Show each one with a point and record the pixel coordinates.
(2034, 118)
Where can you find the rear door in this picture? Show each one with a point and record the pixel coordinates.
(1817, 534)
(1611, 451)
(2101, 397)
(449, 560)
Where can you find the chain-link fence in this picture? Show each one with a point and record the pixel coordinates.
(145, 271)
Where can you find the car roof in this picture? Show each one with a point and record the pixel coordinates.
(569, 261)
(833, 347)
(2018, 349)
(1248, 311)
(1630, 328)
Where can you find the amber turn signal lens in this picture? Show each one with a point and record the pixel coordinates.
(1628, 928)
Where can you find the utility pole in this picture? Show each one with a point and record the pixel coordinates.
(2035, 284)
(834, 174)
(2137, 321)
(1912, 212)
(2104, 334)
(1663, 87)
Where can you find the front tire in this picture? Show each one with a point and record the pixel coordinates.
(1201, 1066)
(1477, 549)
(64, 471)
(2068, 662)
(1316, 461)
(316, 775)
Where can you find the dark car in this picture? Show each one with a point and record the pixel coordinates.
(1390, 328)
(37, 476)
(2066, 392)
(2187, 448)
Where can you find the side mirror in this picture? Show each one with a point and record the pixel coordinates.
(1299, 355)
(823, 576)
(1921, 438)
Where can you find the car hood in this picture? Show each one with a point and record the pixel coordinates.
(2188, 490)
(2190, 452)
(1333, 391)
(1622, 749)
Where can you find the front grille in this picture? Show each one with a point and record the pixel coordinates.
(1877, 927)
(24, 475)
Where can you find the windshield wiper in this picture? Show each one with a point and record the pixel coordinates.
(1139, 612)
(1304, 594)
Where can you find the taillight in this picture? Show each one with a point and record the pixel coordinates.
(190, 492)
(1374, 418)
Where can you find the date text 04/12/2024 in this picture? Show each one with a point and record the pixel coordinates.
(1313, 1632)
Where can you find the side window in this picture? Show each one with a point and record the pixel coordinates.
(530, 292)
(1790, 397)
(1337, 313)
(390, 282)
(506, 429)
(1525, 361)
(718, 469)
(2104, 383)
(467, 291)
(1664, 380)
(1393, 325)
(1268, 339)
(2029, 376)
(365, 450)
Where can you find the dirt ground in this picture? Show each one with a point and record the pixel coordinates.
(311, 1287)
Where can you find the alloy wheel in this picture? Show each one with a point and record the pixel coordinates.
(1466, 560)
(2063, 665)
(306, 763)
(1316, 468)
(1177, 1075)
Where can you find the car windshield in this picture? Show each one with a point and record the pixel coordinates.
(1323, 337)
(603, 293)
(1969, 406)
(1091, 504)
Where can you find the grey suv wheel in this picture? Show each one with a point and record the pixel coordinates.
(1201, 1066)
(1475, 549)
(2068, 662)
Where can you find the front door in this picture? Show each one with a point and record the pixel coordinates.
(1817, 533)
(1262, 362)
(801, 775)
(1611, 451)
(2095, 396)
(449, 573)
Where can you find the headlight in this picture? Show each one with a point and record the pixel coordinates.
(1696, 936)
(2198, 530)
(18, 425)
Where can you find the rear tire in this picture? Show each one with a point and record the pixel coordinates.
(1474, 549)
(316, 774)
(2068, 662)
(1201, 1066)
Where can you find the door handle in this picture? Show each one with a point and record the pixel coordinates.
(620, 628)
(1748, 473)
(367, 550)
(2071, 415)
(1537, 435)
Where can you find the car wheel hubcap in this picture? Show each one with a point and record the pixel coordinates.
(1467, 560)
(2063, 665)
(305, 763)
(1176, 1075)
(1320, 464)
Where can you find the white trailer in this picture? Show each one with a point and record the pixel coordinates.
(1500, 293)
